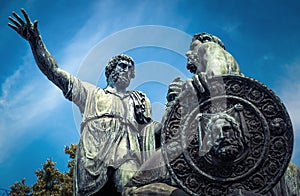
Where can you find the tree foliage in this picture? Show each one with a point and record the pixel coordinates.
(20, 188)
(50, 181)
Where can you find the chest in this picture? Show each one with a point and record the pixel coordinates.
(111, 103)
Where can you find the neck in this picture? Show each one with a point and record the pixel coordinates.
(117, 89)
(120, 90)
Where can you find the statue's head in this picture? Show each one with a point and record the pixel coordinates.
(199, 40)
(205, 37)
(119, 71)
(229, 144)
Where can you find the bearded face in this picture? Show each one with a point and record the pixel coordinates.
(192, 56)
(121, 76)
(228, 145)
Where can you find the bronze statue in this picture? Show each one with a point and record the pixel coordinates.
(218, 135)
(222, 133)
(112, 118)
(207, 56)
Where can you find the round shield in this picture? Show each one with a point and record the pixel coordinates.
(235, 135)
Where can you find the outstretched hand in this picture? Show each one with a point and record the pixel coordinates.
(26, 29)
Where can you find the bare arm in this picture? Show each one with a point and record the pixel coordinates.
(43, 58)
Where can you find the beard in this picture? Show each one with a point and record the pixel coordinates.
(228, 149)
(120, 80)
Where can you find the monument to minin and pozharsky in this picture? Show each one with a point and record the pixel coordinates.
(222, 133)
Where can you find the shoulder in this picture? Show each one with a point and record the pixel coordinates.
(89, 86)
(138, 93)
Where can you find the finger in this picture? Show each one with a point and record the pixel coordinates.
(14, 21)
(203, 81)
(13, 27)
(18, 18)
(35, 24)
(198, 84)
(26, 16)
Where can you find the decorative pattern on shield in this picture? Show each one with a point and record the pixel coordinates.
(236, 136)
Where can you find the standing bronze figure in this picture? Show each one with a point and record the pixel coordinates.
(112, 118)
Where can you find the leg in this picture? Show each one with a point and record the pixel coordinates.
(109, 188)
(124, 173)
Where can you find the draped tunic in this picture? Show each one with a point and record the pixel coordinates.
(110, 131)
(111, 123)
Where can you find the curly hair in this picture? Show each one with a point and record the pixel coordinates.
(233, 122)
(204, 37)
(113, 62)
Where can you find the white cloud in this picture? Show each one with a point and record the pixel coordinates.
(289, 93)
(24, 100)
(27, 96)
(230, 27)
(291, 99)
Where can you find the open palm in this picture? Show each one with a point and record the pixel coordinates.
(26, 29)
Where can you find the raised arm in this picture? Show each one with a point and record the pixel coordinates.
(46, 63)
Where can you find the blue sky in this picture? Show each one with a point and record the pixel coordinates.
(37, 122)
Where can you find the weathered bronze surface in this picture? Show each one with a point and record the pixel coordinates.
(222, 133)
(237, 135)
(113, 118)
